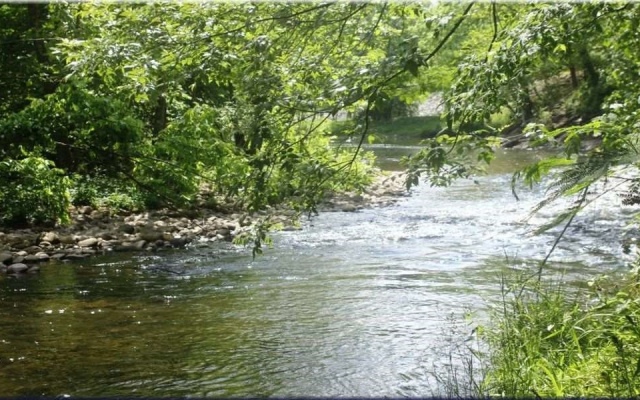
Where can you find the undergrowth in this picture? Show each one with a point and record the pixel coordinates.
(549, 339)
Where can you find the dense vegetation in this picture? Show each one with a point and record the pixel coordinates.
(139, 106)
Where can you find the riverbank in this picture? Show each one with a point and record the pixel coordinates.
(99, 231)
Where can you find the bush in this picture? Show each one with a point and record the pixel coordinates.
(102, 191)
(34, 192)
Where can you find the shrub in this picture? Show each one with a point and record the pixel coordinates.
(34, 191)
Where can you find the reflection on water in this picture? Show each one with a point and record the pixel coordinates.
(352, 305)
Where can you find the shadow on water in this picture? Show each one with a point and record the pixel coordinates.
(349, 306)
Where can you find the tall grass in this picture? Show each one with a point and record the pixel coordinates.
(548, 339)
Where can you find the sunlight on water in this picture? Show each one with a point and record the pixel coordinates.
(356, 304)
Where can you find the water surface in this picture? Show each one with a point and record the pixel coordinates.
(352, 305)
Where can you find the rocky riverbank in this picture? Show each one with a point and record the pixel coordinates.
(99, 231)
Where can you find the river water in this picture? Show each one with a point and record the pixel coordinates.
(355, 304)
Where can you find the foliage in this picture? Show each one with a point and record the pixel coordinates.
(546, 340)
(33, 191)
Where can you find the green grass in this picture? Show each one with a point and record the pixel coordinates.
(553, 340)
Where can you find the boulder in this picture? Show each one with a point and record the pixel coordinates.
(50, 237)
(107, 236)
(17, 259)
(6, 258)
(67, 239)
(33, 270)
(85, 210)
(17, 268)
(33, 249)
(31, 259)
(149, 235)
(90, 242)
(178, 242)
(127, 228)
(42, 256)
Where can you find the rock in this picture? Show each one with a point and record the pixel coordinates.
(6, 258)
(45, 245)
(97, 215)
(139, 245)
(223, 231)
(107, 236)
(178, 242)
(33, 249)
(18, 259)
(42, 256)
(77, 256)
(85, 210)
(17, 268)
(91, 242)
(167, 236)
(33, 270)
(31, 259)
(348, 208)
(149, 235)
(51, 237)
(21, 253)
(127, 228)
(67, 239)
(126, 246)
(59, 256)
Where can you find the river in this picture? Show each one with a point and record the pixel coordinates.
(355, 304)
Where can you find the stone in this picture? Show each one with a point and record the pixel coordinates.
(77, 256)
(349, 208)
(178, 242)
(149, 235)
(6, 258)
(59, 256)
(42, 256)
(106, 236)
(223, 231)
(21, 253)
(97, 215)
(91, 242)
(33, 249)
(85, 210)
(31, 259)
(125, 246)
(33, 270)
(51, 237)
(127, 228)
(140, 244)
(17, 268)
(167, 236)
(17, 259)
(67, 239)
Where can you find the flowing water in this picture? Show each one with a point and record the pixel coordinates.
(355, 304)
